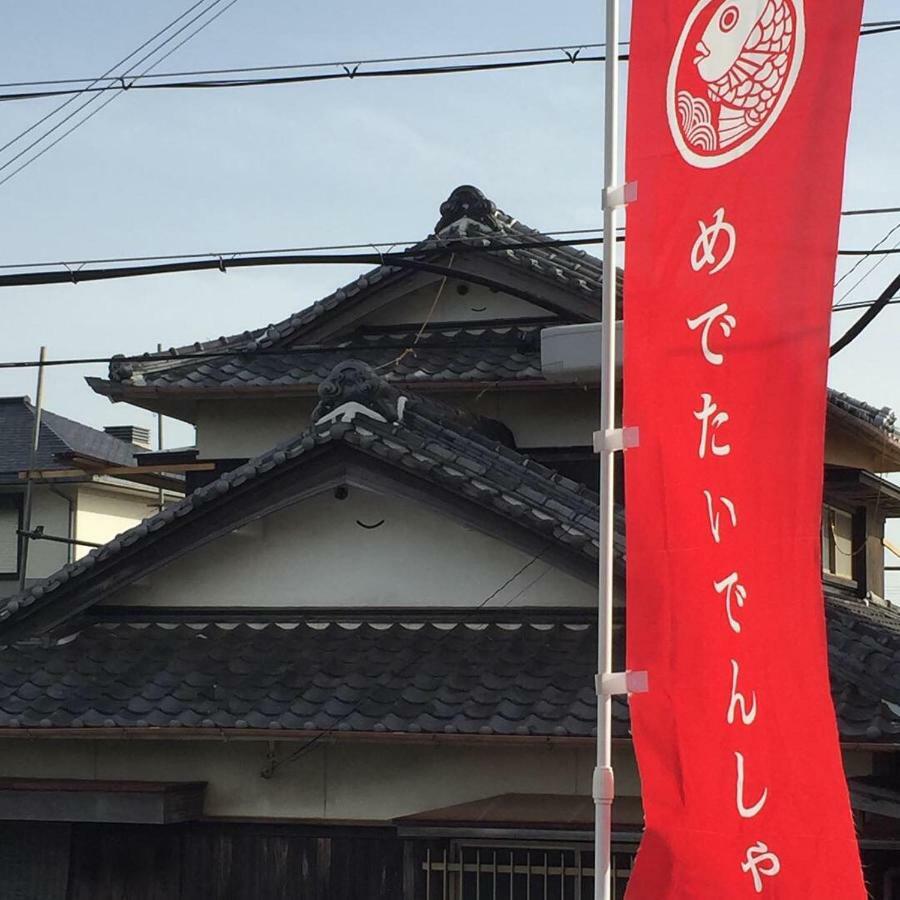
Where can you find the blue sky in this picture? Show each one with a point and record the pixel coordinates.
(162, 172)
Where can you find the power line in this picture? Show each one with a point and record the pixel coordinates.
(351, 69)
(183, 356)
(858, 263)
(866, 318)
(94, 81)
(105, 103)
(229, 254)
(862, 304)
(574, 48)
(348, 73)
(76, 276)
(871, 212)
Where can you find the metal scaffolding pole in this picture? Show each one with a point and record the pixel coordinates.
(32, 464)
(604, 786)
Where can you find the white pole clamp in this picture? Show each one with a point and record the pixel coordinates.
(616, 439)
(611, 683)
(620, 195)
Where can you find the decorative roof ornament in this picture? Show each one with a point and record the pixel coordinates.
(467, 202)
(355, 382)
(354, 387)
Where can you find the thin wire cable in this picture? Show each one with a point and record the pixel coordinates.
(871, 212)
(467, 54)
(93, 99)
(408, 257)
(223, 254)
(355, 61)
(865, 275)
(348, 74)
(857, 328)
(121, 62)
(856, 265)
(114, 96)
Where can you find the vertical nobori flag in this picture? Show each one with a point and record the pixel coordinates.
(737, 122)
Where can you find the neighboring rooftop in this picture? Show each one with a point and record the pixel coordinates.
(60, 440)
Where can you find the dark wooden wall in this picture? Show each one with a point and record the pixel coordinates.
(231, 861)
(199, 861)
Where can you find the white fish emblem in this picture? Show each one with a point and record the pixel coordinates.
(743, 56)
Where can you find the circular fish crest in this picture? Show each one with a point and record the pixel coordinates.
(732, 74)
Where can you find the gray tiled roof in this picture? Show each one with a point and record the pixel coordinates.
(512, 678)
(884, 419)
(422, 677)
(466, 215)
(419, 439)
(470, 353)
(58, 435)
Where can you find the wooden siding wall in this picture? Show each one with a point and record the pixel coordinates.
(198, 861)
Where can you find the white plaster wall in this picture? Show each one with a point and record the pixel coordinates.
(51, 511)
(315, 554)
(563, 417)
(478, 304)
(341, 780)
(103, 512)
(228, 429)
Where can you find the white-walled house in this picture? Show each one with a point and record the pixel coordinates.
(356, 661)
(74, 506)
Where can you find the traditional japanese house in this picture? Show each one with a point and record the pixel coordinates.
(356, 661)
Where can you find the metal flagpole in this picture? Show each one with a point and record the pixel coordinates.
(603, 786)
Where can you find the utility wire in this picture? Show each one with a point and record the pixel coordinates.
(72, 275)
(94, 81)
(230, 254)
(106, 102)
(183, 356)
(76, 276)
(859, 262)
(348, 73)
(889, 293)
(355, 61)
(89, 89)
(351, 69)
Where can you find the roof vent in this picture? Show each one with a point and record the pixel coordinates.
(131, 434)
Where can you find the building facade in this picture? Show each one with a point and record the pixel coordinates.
(356, 661)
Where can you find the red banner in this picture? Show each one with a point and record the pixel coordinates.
(737, 121)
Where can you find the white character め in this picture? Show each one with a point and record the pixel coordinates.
(711, 421)
(759, 862)
(704, 250)
(734, 592)
(727, 323)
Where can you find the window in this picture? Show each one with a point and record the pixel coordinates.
(837, 542)
(499, 871)
(10, 519)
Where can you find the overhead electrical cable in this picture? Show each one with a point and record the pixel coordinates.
(350, 69)
(875, 249)
(889, 293)
(348, 74)
(573, 48)
(113, 96)
(99, 78)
